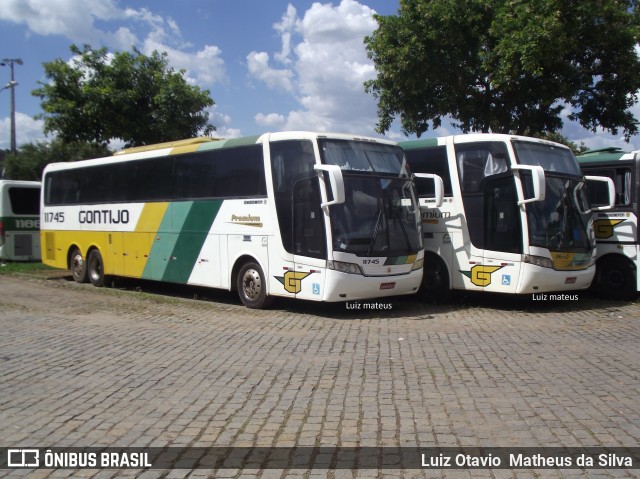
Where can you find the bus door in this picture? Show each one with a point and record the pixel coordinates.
(493, 249)
(299, 267)
(503, 239)
(309, 241)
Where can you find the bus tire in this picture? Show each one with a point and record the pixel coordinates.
(95, 268)
(78, 266)
(435, 280)
(252, 286)
(616, 278)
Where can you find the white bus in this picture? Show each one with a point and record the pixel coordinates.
(19, 220)
(616, 230)
(514, 218)
(325, 217)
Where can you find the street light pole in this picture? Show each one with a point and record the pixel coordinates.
(11, 62)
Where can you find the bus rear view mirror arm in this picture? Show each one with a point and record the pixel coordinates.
(336, 182)
(438, 186)
(612, 192)
(539, 185)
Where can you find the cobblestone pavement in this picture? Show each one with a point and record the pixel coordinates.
(82, 366)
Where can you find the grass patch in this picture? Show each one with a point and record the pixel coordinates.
(16, 267)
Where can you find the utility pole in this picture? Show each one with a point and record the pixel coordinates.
(11, 62)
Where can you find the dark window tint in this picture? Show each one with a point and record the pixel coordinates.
(476, 161)
(154, 179)
(24, 201)
(195, 176)
(291, 163)
(598, 192)
(430, 160)
(240, 172)
(222, 173)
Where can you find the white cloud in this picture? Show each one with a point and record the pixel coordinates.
(324, 69)
(258, 63)
(72, 18)
(270, 120)
(286, 28)
(28, 130)
(600, 138)
(204, 67)
(222, 123)
(78, 20)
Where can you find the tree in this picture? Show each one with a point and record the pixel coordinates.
(99, 97)
(33, 157)
(507, 65)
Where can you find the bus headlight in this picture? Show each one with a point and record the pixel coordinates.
(419, 264)
(538, 261)
(342, 267)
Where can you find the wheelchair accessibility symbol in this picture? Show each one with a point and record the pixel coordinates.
(506, 280)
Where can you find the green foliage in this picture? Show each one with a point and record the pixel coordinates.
(507, 66)
(33, 157)
(138, 99)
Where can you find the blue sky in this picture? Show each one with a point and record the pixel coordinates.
(269, 64)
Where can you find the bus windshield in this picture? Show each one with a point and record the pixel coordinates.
(364, 157)
(559, 223)
(551, 158)
(380, 217)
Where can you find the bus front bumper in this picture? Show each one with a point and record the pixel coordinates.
(350, 287)
(536, 279)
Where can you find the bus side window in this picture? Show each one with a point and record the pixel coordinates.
(476, 161)
(309, 237)
(597, 192)
(502, 232)
(291, 161)
(430, 160)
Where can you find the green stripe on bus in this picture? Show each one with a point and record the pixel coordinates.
(194, 232)
(395, 260)
(165, 240)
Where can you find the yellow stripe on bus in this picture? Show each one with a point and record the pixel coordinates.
(151, 217)
(139, 243)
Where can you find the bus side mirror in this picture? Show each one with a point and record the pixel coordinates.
(336, 182)
(539, 183)
(611, 189)
(438, 186)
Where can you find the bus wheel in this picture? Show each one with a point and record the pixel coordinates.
(78, 266)
(616, 279)
(252, 286)
(95, 268)
(435, 280)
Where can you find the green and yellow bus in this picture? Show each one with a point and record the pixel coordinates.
(326, 217)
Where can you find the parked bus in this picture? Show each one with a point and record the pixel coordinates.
(325, 217)
(19, 220)
(514, 218)
(616, 230)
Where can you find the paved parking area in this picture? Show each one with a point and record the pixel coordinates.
(82, 366)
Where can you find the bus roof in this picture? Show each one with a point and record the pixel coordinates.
(602, 155)
(168, 144)
(202, 144)
(472, 137)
